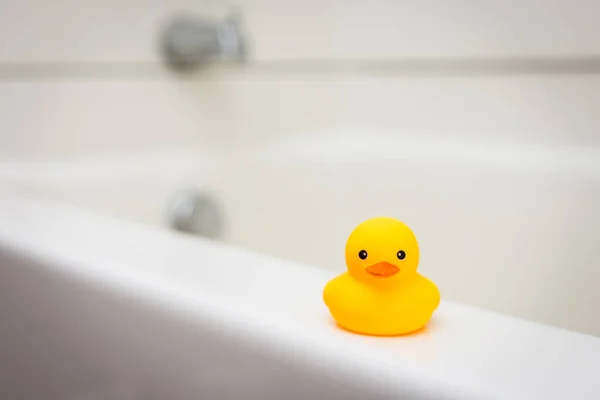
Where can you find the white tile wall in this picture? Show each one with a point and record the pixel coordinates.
(42, 119)
(125, 31)
(86, 79)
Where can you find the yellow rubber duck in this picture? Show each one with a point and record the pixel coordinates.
(381, 294)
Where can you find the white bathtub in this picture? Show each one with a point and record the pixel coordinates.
(511, 229)
(94, 307)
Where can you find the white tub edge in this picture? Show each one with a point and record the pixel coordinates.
(466, 353)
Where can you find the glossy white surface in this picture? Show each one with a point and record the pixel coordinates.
(507, 228)
(95, 306)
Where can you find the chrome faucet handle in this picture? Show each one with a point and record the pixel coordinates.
(195, 42)
(195, 212)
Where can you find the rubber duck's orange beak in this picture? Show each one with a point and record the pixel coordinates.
(382, 270)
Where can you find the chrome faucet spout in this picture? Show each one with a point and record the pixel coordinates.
(194, 42)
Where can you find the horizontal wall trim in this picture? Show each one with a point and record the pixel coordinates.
(311, 68)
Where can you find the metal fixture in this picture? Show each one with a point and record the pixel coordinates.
(194, 42)
(195, 212)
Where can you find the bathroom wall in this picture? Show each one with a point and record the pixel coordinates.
(493, 107)
(81, 79)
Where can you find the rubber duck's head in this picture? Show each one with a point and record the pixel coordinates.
(382, 250)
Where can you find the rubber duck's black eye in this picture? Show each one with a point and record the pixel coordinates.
(401, 255)
(362, 254)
